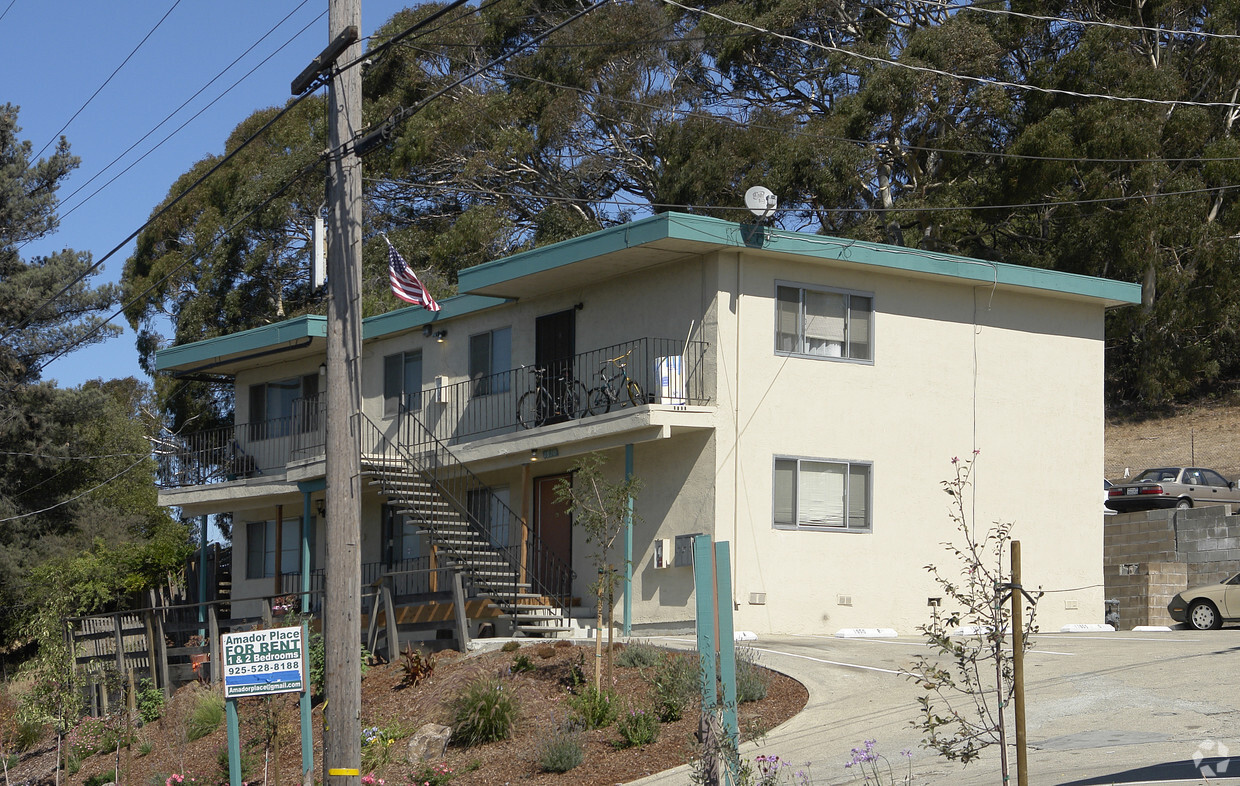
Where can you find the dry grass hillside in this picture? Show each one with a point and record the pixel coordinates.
(1205, 435)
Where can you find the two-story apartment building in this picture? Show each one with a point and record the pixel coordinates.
(797, 395)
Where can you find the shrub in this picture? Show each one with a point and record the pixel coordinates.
(207, 715)
(485, 712)
(90, 736)
(149, 701)
(546, 651)
(594, 708)
(98, 779)
(562, 644)
(637, 728)
(249, 761)
(674, 686)
(562, 751)
(510, 646)
(316, 658)
(639, 655)
(752, 681)
(522, 663)
(418, 665)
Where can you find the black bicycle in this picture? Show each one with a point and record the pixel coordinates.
(563, 399)
(616, 389)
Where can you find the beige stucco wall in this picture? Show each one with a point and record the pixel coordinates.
(956, 368)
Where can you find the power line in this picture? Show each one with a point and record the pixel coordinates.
(6, 10)
(195, 116)
(96, 487)
(1083, 22)
(623, 203)
(985, 81)
(106, 81)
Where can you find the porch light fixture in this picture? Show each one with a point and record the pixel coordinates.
(534, 454)
(426, 330)
(321, 506)
(441, 335)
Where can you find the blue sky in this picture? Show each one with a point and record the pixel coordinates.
(58, 53)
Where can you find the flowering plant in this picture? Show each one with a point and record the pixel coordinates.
(867, 761)
(772, 770)
(177, 779)
(432, 775)
(369, 779)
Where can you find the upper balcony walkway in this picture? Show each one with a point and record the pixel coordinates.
(665, 372)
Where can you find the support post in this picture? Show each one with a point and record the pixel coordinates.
(217, 657)
(1018, 669)
(727, 639)
(342, 596)
(389, 614)
(458, 604)
(202, 570)
(234, 742)
(628, 544)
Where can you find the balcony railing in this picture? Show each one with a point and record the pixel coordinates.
(667, 371)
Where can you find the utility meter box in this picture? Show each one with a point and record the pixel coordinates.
(684, 551)
(662, 552)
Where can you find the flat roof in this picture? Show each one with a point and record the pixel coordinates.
(666, 237)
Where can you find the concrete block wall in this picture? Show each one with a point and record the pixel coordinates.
(1150, 556)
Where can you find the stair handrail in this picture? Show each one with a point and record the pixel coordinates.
(559, 589)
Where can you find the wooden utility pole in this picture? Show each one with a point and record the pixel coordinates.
(1018, 669)
(342, 598)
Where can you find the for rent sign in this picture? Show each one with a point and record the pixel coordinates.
(263, 661)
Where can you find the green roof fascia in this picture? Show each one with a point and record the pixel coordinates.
(311, 326)
(717, 232)
(308, 326)
(415, 316)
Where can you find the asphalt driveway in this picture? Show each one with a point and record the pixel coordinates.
(1101, 708)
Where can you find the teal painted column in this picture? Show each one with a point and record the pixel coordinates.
(727, 638)
(307, 566)
(202, 574)
(704, 594)
(628, 545)
(234, 742)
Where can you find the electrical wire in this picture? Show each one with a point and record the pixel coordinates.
(193, 117)
(96, 487)
(984, 81)
(1161, 31)
(106, 81)
(6, 9)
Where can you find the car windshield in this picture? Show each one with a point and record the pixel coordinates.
(1160, 475)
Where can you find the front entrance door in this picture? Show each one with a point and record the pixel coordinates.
(554, 527)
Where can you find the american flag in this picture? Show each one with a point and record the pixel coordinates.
(405, 284)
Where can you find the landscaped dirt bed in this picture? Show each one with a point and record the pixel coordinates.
(543, 696)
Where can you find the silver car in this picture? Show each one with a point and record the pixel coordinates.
(1172, 487)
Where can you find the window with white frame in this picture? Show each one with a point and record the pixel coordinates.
(402, 382)
(260, 548)
(823, 323)
(283, 407)
(490, 359)
(822, 495)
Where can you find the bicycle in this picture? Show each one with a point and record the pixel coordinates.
(618, 389)
(543, 404)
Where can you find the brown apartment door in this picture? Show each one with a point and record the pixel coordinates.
(554, 527)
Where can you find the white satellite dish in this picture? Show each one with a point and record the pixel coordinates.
(761, 201)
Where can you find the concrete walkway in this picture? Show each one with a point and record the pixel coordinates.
(1152, 708)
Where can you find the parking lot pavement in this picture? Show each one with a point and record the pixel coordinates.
(1100, 709)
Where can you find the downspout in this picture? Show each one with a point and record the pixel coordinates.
(736, 429)
(628, 543)
(202, 575)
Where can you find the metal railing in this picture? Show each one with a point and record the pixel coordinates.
(666, 371)
(418, 453)
(242, 451)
